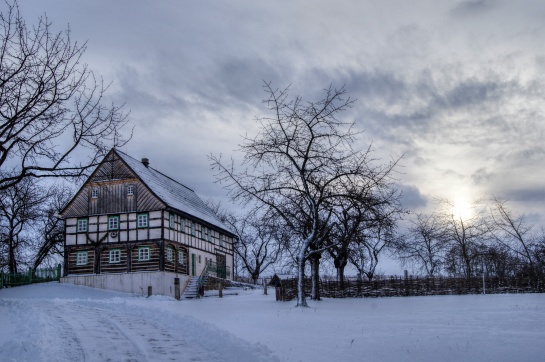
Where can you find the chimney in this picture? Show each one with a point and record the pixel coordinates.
(145, 162)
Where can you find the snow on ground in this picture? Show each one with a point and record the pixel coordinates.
(60, 322)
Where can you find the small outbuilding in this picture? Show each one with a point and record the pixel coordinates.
(283, 284)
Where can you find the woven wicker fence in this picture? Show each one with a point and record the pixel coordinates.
(414, 286)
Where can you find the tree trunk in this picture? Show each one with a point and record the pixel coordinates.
(341, 276)
(255, 277)
(315, 276)
(301, 301)
(12, 262)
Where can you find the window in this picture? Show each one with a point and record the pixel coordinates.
(172, 221)
(205, 233)
(199, 259)
(81, 258)
(82, 225)
(130, 190)
(192, 228)
(182, 225)
(143, 253)
(181, 257)
(115, 256)
(142, 220)
(210, 236)
(113, 222)
(94, 193)
(221, 239)
(170, 254)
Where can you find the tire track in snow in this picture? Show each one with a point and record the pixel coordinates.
(108, 332)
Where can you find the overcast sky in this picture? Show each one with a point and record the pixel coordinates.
(455, 87)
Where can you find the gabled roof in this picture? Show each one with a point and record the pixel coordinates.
(173, 193)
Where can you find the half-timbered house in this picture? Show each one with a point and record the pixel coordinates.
(131, 227)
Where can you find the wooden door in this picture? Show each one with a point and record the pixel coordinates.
(221, 262)
(193, 265)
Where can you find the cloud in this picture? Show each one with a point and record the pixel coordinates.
(472, 7)
(457, 86)
(412, 197)
(482, 176)
(531, 195)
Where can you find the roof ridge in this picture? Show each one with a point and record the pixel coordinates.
(154, 169)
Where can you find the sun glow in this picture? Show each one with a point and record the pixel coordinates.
(462, 209)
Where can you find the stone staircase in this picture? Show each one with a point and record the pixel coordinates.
(192, 289)
(195, 283)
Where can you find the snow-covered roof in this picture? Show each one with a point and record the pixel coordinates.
(173, 193)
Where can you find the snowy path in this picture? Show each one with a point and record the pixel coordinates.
(98, 332)
(112, 330)
(61, 322)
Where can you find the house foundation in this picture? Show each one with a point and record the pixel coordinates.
(161, 283)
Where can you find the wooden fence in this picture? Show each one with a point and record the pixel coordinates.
(415, 286)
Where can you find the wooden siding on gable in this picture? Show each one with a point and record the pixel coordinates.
(112, 198)
(111, 168)
(107, 192)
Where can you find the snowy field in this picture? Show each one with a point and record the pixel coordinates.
(60, 322)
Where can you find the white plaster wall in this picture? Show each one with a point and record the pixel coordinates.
(162, 283)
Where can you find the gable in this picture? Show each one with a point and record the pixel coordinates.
(106, 192)
(112, 168)
(153, 191)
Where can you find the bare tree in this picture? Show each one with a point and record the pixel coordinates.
(466, 235)
(20, 210)
(424, 244)
(513, 232)
(301, 160)
(53, 121)
(356, 219)
(364, 255)
(259, 242)
(51, 227)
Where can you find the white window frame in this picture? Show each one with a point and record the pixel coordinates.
(181, 257)
(193, 228)
(130, 190)
(94, 193)
(113, 225)
(170, 254)
(114, 256)
(82, 258)
(172, 221)
(221, 239)
(142, 220)
(82, 225)
(144, 253)
(182, 225)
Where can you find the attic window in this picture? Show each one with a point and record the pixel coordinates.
(94, 193)
(130, 190)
